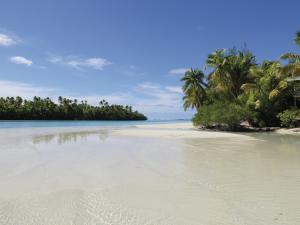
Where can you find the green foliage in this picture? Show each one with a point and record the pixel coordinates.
(194, 89)
(231, 69)
(293, 66)
(239, 89)
(222, 114)
(66, 109)
(290, 117)
(268, 94)
(297, 38)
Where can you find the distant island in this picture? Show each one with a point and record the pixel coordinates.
(240, 94)
(16, 108)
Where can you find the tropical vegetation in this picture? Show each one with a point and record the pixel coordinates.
(66, 109)
(238, 91)
(290, 117)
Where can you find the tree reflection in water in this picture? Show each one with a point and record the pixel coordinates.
(67, 137)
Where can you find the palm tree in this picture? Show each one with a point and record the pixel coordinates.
(297, 38)
(231, 69)
(268, 81)
(294, 59)
(292, 69)
(194, 89)
(269, 93)
(45, 108)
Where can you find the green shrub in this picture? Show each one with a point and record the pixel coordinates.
(290, 117)
(222, 114)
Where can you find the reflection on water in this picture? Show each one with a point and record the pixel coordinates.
(99, 177)
(68, 137)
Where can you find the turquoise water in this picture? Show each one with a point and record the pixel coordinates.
(31, 123)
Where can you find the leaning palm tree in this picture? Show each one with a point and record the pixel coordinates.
(194, 89)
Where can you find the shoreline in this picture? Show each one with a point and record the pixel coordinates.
(157, 125)
(282, 130)
(295, 131)
(170, 131)
(146, 171)
(162, 131)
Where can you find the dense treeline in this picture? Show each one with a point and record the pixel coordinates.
(237, 90)
(45, 109)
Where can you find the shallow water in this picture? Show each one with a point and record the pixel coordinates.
(96, 176)
(80, 123)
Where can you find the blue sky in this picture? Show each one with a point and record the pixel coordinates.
(130, 51)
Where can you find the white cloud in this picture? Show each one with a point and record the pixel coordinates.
(133, 67)
(115, 98)
(178, 71)
(12, 89)
(175, 89)
(21, 60)
(155, 101)
(148, 86)
(161, 95)
(78, 63)
(7, 40)
(159, 98)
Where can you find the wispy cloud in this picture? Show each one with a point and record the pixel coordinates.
(175, 89)
(156, 101)
(79, 63)
(115, 98)
(11, 88)
(130, 71)
(133, 67)
(178, 71)
(152, 99)
(7, 40)
(20, 60)
(162, 96)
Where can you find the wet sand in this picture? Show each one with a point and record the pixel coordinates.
(148, 174)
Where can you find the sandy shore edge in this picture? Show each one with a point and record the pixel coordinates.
(175, 130)
(171, 130)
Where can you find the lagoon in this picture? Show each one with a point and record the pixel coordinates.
(146, 173)
(80, 123)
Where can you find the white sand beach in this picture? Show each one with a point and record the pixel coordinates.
(176, 130)
(147, 174)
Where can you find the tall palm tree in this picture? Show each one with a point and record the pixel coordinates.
(231, 69)
(194, 89)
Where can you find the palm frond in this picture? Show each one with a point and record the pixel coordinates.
(297, 38)
(249, 86)
(273, 94)
(282, 85)
(290, 56)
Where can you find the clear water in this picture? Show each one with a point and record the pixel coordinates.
(81, 123)
(104, 176)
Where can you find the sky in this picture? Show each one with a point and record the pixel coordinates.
(131, 51)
